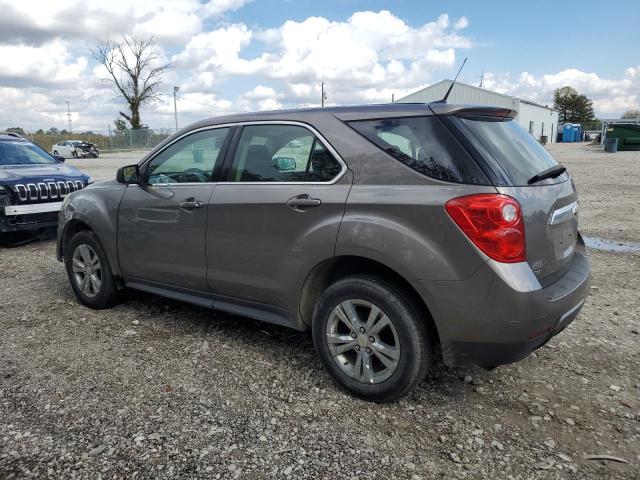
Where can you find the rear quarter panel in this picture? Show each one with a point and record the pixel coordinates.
(407, 228)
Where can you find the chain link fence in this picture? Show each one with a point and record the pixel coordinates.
(113, 140)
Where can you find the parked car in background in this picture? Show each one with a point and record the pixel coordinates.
(75, 149)
(33, 185)
(389, 231)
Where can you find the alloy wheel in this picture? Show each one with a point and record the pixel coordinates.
(363, 341)
(87, 270)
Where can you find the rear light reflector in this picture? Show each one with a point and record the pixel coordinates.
(493, 222)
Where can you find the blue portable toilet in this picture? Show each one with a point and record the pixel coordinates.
(577, 136)
(567, 133)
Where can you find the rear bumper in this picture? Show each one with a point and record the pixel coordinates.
(501, 313)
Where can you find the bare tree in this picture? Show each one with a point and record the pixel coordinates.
(134, 70)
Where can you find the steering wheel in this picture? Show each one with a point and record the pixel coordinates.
(200, 175)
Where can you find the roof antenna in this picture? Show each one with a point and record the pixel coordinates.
(444, 100)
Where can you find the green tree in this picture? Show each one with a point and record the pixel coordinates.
(40, 131)
(17, 130)
(53, 131)
(631, 114)
(572, 106)
(120, 125)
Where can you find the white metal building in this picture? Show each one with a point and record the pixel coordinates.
(538, 120)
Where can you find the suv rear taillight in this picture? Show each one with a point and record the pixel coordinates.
(493, 222)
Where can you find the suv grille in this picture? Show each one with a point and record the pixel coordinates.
(46, 191)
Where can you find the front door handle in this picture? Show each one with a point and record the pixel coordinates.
(301, 203)
(189, 204)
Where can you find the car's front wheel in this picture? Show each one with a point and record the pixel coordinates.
(372, 338)
(89, 272)
(55, 152)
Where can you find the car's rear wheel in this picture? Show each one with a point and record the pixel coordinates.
(371, 338)
(89, 272)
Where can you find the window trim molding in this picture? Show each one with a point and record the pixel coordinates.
(315, 132)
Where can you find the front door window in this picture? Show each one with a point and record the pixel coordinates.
(189, 160)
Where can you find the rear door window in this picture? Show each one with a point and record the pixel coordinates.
(425, 145)
(282, 153)
(516, 151)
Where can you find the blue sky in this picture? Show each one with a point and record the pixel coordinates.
(511, 35)
(239, 55)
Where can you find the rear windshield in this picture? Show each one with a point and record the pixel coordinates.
(518, 153)
(21, 152)
(425, 145)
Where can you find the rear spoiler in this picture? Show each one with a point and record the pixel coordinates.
(474, 111)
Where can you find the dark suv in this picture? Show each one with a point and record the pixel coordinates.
(32, 185)
(389, 230)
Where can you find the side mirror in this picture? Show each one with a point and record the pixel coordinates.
(285, 164)
(59, 158)
(128, 175)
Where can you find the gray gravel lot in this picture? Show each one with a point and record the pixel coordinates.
(159, 389)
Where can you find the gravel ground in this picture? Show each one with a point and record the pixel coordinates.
(159, 389)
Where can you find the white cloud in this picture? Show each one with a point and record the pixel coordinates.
(224, 66)
(34, 21)
(50, 64)
(260, 92)
(610, 96)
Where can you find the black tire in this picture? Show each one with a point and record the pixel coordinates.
(55, 152)
(74, 154)
(415, 346)
(107, 295)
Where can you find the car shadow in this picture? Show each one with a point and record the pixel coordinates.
(279, 346)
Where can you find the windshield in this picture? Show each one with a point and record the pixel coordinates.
(21, 152)
(517, 151)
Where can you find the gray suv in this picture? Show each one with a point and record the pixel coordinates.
(393, 232)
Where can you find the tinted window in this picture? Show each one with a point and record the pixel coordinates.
(21, 152)
(423, 144)
(517, 152)
(190, 159)
(282, 153)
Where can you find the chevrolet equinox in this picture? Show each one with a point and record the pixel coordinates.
(391, 231)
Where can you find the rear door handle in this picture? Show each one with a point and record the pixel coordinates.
(189, 204)
(300, 203)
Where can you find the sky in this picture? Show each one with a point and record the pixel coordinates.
(246, 55)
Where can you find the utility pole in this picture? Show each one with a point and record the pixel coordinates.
(323, 93)
(175, 104)
(69, 116)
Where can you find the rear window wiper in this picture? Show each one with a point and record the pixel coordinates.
(552, 172)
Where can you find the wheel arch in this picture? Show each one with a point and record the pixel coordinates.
(72, 227)
(96, 216)
(335, 268)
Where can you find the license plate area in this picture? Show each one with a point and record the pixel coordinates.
(563, 230)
